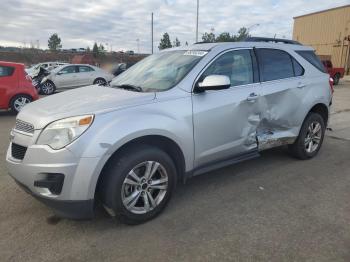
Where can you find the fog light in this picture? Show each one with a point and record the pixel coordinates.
(52, 181)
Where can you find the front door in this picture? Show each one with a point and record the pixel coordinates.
(225, 121)
(67, 77)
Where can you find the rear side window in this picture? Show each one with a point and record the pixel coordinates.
(68, 70)
(274, 64)
(6, 71)
(83, 69)
(313, 59)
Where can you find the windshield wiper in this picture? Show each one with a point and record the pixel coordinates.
(129, 87)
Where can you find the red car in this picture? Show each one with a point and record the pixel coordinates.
(335, 72)
(16, 88)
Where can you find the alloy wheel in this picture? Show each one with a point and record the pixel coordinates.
(144, 187)
(313, 137)
(20, 102)
(47, 88)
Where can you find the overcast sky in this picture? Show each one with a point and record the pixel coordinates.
(120, 22)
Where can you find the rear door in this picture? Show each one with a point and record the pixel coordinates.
(282, 86)
(67, 77)
(225, 121)
(86, 75)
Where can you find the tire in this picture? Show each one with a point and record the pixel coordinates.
(305, 145)
(47, 88)
(121, 192)
(18, 102)
(100, 82)
(336, 79)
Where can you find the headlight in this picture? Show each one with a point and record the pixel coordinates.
(61, 133)
(43, 80)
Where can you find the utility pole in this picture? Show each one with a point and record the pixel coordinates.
(152, 32)
(197, 21)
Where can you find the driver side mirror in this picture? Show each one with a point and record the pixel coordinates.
(213, 82)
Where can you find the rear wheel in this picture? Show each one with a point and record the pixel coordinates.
(310, 137)
(139, 184)
(336, 79)
(47, 88)
(100, 82)
(18, 102)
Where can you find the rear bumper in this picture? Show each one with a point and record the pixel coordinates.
(72, 209)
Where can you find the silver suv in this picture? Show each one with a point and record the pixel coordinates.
(176, 114)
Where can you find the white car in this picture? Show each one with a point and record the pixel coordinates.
(72, 76)
(46, 65)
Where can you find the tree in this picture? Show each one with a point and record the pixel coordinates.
(243, 33)
(88, 49)
(225, 37)
(54, 42)
(176, 42)
(165, 42)
(208, 37)
(95, 50)
(101, 48)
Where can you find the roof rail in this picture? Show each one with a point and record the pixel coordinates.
(274, 40)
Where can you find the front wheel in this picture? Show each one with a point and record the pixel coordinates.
(47, 88)
(310, 137)
(139, 184)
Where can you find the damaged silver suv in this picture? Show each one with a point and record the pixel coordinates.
(176, 114)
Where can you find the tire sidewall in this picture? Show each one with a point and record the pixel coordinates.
(311, 118)
(119, 170)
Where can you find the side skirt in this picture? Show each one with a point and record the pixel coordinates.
(222, 163)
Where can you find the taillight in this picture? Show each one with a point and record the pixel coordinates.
(331, 85)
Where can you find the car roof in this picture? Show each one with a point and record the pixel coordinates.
(227, 45)
(6, 63)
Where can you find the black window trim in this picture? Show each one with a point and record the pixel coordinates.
(214, 59)
(279, 79)
(322, 69)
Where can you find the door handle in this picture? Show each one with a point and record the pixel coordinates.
(301, 85)
(252, 97)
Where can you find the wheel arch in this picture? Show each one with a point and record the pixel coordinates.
(162, 142)
(322, 110)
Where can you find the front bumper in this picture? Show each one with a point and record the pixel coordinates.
(78, 209)
(74, 197)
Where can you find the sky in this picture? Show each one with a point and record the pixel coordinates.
(117, 24)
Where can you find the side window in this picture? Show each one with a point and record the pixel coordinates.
(68, 70)
(298, 69)
(6, 71)
(83, 69)
(313, 59)
(237, 65)
(274, 64)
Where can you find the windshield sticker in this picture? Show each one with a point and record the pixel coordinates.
(195, 53)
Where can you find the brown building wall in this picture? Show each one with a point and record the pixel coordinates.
(325, 31)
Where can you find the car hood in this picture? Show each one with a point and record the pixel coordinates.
(86, 100)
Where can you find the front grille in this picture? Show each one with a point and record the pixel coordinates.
(18, 151)
(24, 127)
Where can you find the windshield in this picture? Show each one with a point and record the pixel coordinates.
(159, 72)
